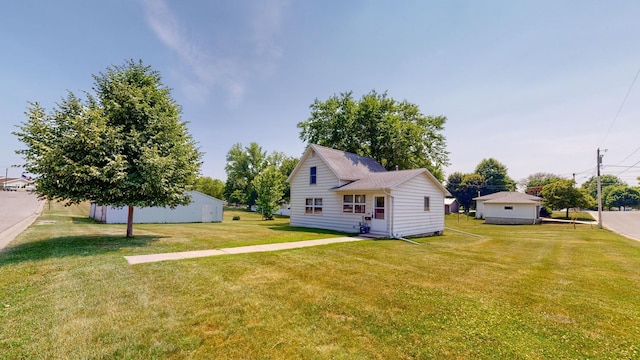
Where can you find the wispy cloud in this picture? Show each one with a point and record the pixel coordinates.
(266, 22)
(208, 71)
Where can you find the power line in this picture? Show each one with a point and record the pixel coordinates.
(630, 155)
(627, 169)
(621, 105)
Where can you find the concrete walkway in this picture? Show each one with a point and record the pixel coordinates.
(141, 259)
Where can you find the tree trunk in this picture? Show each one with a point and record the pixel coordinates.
(130, 222)
(567, 216)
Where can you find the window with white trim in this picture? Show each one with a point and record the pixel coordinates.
(508, 207)
(426, 203)
(312, 175)
(355, 204)
(313, 206)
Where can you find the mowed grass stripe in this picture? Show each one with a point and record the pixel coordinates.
(518, 292)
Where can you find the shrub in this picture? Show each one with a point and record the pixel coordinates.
(545, 212)
(236, 217)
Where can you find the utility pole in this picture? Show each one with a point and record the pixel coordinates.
(599, 184)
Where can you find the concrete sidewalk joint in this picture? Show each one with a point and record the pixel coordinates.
(141, 259)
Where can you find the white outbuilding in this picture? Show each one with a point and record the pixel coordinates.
(508, 207)
(202, 209)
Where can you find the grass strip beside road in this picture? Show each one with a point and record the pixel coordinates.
(543, 291)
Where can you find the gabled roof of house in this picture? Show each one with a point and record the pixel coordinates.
(449, 201)
(510, 197)
(345, 166)
(381, 180)
(364, 173)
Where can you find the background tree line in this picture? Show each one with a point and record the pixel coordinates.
(394, 133)
(490, 176)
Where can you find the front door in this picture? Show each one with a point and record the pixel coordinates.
(379, 216)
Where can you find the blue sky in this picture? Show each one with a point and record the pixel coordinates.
(537, 85)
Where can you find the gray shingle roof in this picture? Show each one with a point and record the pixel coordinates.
(363, 173)
(511, 197)
(347, 166)
(382, 180)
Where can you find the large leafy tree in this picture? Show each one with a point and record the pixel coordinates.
(284, 164)
(464, 187)
(243, 165)
(534, 183)
(621, 196)
(562, 194)
(394, 133)
(124, 146)
(495, 176)
(606, 181)
(472, 185)
(269, 186)
(210, 186)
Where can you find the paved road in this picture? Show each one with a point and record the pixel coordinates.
(625, 223)
(18, 210)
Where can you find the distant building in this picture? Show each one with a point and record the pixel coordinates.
(451, 205)
(202, 209)
(508, 207)
(16, 183)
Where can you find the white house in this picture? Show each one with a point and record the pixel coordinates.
(336, 190)
(203, 208)
(14, 183)
(508, 207)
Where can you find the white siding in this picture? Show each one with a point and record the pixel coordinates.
(480, 209)
(409, 217)
(332, 217)
(203, 208)
(518, 211)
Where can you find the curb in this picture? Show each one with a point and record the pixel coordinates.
(16, 229)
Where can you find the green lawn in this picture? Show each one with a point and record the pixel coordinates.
(511, 292)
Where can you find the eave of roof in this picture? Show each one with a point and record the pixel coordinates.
(510, 197)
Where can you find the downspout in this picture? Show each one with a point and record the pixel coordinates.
(384, 191)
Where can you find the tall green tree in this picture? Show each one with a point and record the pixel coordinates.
(269, 186)
(124, 146)
(563, 194)
(621, 196)
(472, 185)
(606, 180)
(394, 133)
(538, 180)
(243, 165)
(464, 187)
(495, 176)
(210, 186)
(454, 184)
(286, 166)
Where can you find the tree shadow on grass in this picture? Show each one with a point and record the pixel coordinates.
(83, 220)
(67, 246)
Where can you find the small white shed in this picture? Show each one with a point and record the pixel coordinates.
(203, 208)
(508, 207)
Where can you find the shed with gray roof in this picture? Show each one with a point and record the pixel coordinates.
(337, 190)
(508, 207)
